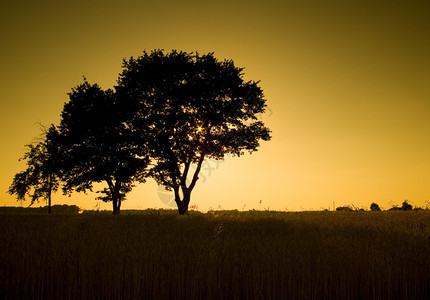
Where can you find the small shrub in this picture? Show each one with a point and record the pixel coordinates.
(374, 207)
(406, 205)
(344, 208)
(395, 208)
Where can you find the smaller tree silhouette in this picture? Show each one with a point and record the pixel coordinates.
(97, 146)
(41, 177)
(374, 207)
(406, 205)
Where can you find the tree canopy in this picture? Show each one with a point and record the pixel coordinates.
(374, 207)
(187, 108)
(42, 175)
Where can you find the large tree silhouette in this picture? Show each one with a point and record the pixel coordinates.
(97, 146)
(187, 108)
(42, 175)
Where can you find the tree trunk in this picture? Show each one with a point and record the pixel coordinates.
(49, 193)
(115, 194)
(49, 201)
(115, 205)
(183, 204)
(186, 191)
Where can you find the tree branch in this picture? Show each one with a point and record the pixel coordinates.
(185, 174)
(110, 184)
(196, 173)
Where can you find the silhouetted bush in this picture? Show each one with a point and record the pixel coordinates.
(374, 207)
(395, 208)
(56, 209)
(406, 205)
(344, 208)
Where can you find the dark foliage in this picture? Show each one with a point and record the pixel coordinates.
(41, 177)
(97, 145)
(406, 205)
(187, 108)
(395, 208)
(344, 208)
(375, 207)
(170, 111)
(56, 209)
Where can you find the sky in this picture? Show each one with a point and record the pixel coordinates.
(347, 85)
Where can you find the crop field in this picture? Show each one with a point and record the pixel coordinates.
(217, 255)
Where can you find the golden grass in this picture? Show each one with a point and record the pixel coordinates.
(225, 255)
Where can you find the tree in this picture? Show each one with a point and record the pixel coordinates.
(375, 207)
(187, 108)
(42, 175)
(98, 147)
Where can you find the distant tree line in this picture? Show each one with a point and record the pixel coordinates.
(167, 114)
(55, 209)
(406, 206)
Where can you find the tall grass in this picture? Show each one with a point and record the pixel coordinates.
(268, 255)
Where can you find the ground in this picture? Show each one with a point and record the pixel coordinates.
(217, 255)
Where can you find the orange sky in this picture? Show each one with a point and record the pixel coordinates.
(348, 87)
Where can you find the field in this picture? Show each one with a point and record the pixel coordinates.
(218, 255)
